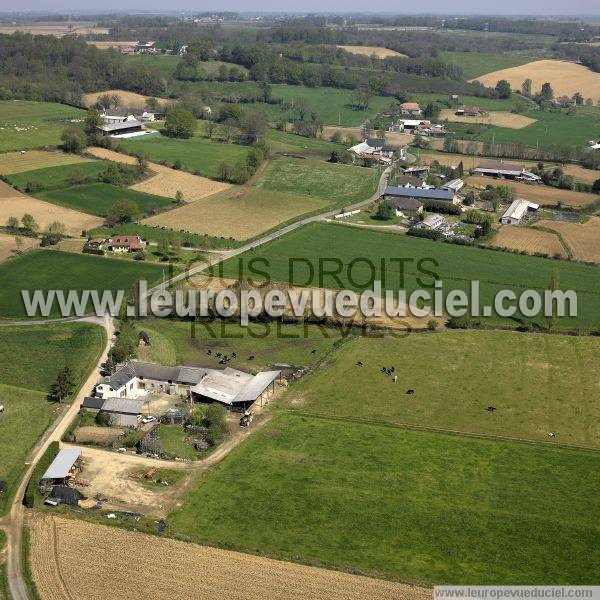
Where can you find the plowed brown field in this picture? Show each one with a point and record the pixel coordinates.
(529, 240)
(8, 245)
(370, 50)
(75, 560)
(582, 238)
(498, 118)
(128, 99)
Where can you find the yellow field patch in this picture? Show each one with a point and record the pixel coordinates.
(58, 29)
(15, 204)
(529, 240)
(110, 44)
(582, 238)
(62, 570)
(166, 181)
(498, 118)
(15, 162)
(9, 245)
(565, 77)
(240, 212)
(356, 134)
(373, 50)
(128, 99)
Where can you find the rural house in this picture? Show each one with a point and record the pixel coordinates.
(409, 208)
(376, 148)
(412, 109)
(469, 111)
(126, 243)
(505, 170)
(433, 222)
(410, 181)
(517, 211)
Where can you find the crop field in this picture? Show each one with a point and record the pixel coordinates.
(544, 195)
(455, 265)
(25, 124)
(59, 565)
(16, 204)
(540, 385)
(56, 28)
(375, 498)
(106, 44)
(566, 78)
(335, 182)
(378, 51)
(240, 212)
(180, 342)
(31, 358)
(474, 64)
(582, 238)
(98, 198)
(529, 240)
(166, 181)
(499, 118)
(8, 245)
(199, 155)
(128, 99)
(54, 270)
(57, 176)
(15, 162)
(335, 106)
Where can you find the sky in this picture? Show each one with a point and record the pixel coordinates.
(506, 7)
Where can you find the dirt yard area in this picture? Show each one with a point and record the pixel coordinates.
(16, 204)
(128, 99)
(166, 181)
(372, 50)
(582, 238)
(16, 162)
(8, 245)
(501, 119)
(566, 78)
(529, 240)
(108, 474)
(136, 565)
(546, 196)
(240, 212)
(102, 436)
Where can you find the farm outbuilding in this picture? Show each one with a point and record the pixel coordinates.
(63, 468)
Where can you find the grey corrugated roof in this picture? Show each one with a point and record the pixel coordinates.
(121, 125)
(123, 405)
(92, 402)
(124, 420)
(62, 464)
(154, 371)
(419, 193)
(256, 386)
(499, 165)
(407, 203)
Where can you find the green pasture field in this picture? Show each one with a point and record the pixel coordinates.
(198, 154)
(455, 265)
(172, 441)
(410, 505)
(98, 198)
(282, 142)
(475, 64)
(335, 106)
(537, 383)
(339, 183)
(59, 176)
(165, 63)
(25, 124)
(555, 128)
(54, 270)
(155, 234)
(185, 343)
(484, 103)
(30, 358)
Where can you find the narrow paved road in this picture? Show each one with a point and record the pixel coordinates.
(13, 523)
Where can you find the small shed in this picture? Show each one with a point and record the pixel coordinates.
(63, 467)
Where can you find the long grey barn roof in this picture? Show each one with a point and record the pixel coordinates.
(62, 464)
(120, 125)
(145, 370)
(421, 194)
(122, 405)
(256, 386)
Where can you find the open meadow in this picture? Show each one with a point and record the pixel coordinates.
(240, 212)
(59, 175)
(59, 565)
(376, 51)
(183, 343)
(98, 199)
(455, 265)
(16, 204)
(31, 357)
(197, 154)
(543, 195)
(410, 505)
(55, 270)
(541, 384)
(566, 78)
(342, 184)
(528, 240)
(582, 238)
(475, 64)
(25, 124)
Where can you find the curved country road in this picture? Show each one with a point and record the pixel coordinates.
(13, 522)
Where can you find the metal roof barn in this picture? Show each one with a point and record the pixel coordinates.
(62, 464)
